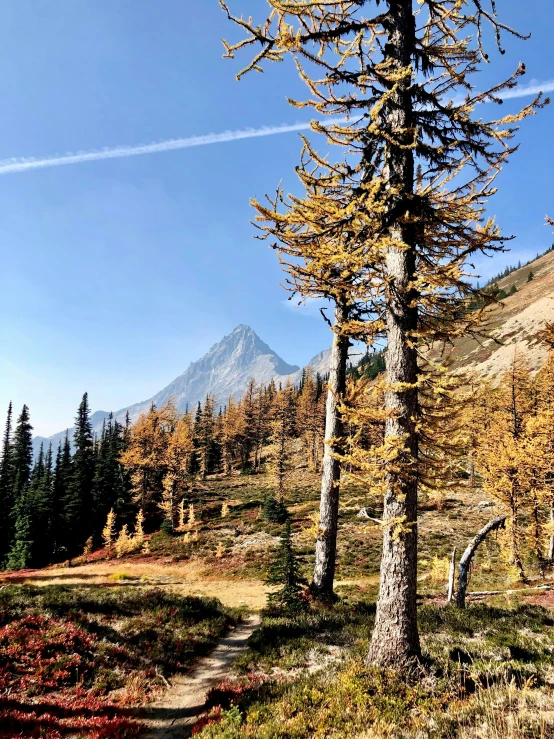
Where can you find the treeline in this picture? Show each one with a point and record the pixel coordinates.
(167, 451)
(51, 506)
(514, 267)
(55, 506)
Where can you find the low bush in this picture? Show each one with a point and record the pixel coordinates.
(74, 661)
(484, 674)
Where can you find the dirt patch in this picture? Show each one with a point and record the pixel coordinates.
(186, 578)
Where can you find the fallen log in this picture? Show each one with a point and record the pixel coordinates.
(486, 593)
(497, 522)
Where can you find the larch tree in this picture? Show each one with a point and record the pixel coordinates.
(145, 455)
(401, 76)
(544, 436)
(318, 238)
(502, 455)
(178, 463)
(282, 424)
(309, 415)
(232, 435)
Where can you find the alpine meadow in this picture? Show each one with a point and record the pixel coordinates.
(359, 545)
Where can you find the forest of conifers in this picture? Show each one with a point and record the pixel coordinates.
(140, 477)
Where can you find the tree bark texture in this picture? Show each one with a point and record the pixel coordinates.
(326, 545)
(395, 639)
(551, 538)
(463, 571)
(451, 572)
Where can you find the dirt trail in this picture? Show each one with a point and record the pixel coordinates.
(175, 713)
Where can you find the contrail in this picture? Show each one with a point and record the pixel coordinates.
(8, 166)
(533, 89)
(22, 164)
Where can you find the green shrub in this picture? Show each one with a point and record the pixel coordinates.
(284, 572)
(166, 527)
(274, 511)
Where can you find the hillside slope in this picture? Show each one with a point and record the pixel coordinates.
(513, 324)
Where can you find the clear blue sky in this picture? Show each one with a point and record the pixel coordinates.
(116, 274)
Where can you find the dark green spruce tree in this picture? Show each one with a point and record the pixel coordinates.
(26, 532)
(111, 486)
(101, 497)
(60, 490)
(18, 522)
(284, 573)
(78, 501)
(22, 453)
(6, 487)
(43, 514)
(122, 502)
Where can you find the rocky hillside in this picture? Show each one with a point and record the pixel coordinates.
(224, 371)
(514, 324)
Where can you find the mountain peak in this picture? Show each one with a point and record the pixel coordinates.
(224, 371)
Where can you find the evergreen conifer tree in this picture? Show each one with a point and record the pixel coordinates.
(22, 453)
(43, 513)
(6, 486)
(60, 490)
(21, 550)
(26, 531)
(284, 572)
(78, 501)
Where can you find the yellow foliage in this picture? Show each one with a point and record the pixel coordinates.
(124, 543)
(108, 532)
(88, 547)
(439, 569)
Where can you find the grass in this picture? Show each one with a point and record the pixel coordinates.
(485, 672)
(75, 661)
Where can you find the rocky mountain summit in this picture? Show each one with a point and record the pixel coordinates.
(224, 371)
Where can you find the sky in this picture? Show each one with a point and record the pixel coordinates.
(117, 273)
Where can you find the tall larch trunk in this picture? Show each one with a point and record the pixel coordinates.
(537, 529)
(395, 637)
(551, 539)
(326, 546)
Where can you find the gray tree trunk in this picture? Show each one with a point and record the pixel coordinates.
(326, 545)
(451, 571)
(463, 573)
(551, 539)
(395, 638)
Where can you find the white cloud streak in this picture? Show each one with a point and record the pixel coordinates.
(11, 166)
(532, 89)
